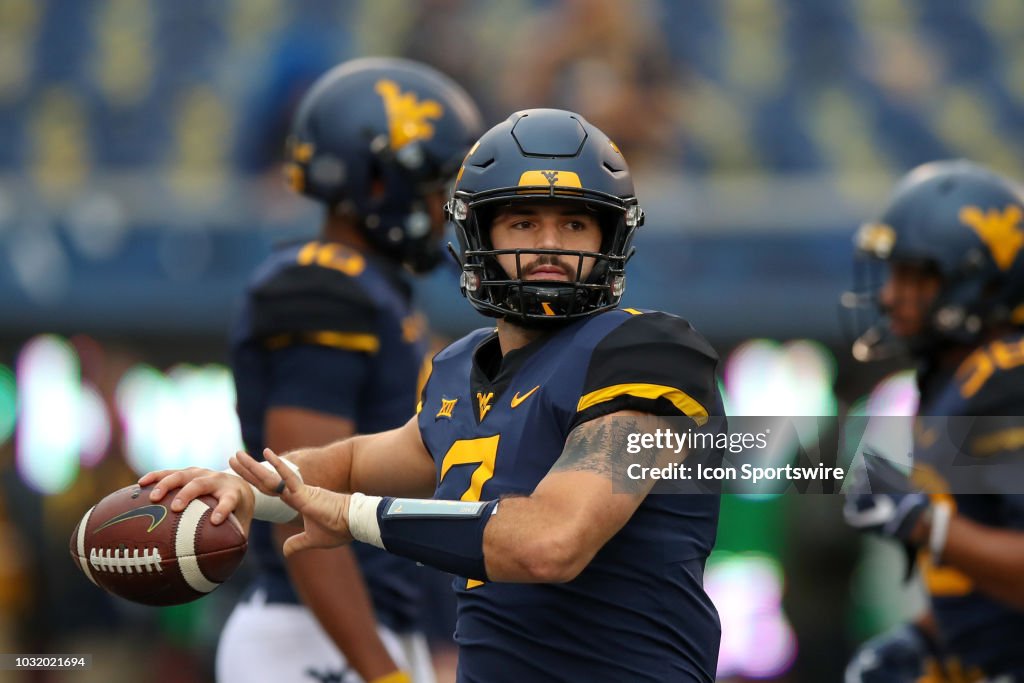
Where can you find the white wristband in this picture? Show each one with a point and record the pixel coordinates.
(362, 519)
(941, 514)
(271, 508)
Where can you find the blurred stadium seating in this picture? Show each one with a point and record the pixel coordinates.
(132, 135)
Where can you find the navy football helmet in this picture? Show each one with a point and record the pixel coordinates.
(541, 155)
(375, 136)
(964, 222)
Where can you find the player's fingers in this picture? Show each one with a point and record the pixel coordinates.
(198, 487)
(168, 480)
(226, 504)
(291, 480)
(150, 477)
(249, 469)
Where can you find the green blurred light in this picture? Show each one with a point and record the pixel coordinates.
(751, 523)
(8, 403)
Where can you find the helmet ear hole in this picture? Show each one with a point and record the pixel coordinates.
(609, 230)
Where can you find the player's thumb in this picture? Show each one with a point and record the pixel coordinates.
(296, 543)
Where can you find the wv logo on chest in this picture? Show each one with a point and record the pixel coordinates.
(484, 403)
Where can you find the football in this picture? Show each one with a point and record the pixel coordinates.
(144, 552)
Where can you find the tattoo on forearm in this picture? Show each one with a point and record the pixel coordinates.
(600, 446)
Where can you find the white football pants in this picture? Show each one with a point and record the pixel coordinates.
(285, 643)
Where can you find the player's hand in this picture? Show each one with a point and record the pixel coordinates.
(901, 655)
(233, 495)
(324, 513)
(885, 501)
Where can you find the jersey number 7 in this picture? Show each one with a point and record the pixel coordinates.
(466, 452)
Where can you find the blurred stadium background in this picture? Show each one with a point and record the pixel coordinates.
(139, 184)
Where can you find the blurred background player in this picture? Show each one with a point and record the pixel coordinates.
(329, 345)
(952, 239)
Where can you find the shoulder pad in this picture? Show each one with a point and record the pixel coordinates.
(653, 362)
(657, 328)
(310, 298)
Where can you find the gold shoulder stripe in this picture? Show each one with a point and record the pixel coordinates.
(1005, 440)
(307, 254)
(633, 311)
(348, 341)
(686, 404)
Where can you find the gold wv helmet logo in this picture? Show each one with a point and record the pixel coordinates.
(409, 119)
(999, 230)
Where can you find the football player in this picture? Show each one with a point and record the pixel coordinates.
(953, 297)
(328, 345)
(569, 570)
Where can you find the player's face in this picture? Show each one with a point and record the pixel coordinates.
(546, 225)
(907, 295)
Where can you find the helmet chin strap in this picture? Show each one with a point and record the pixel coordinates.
(534, 302)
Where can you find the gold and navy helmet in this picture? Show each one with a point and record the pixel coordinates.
(966, 223)
(540, 155)
(375, 136)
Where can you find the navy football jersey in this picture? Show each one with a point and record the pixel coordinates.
(977, 412)
(495, 426)
(329, 329)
